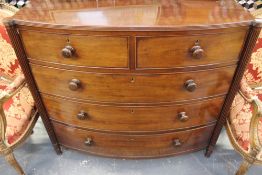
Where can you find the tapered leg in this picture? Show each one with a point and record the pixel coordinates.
(209, 150)
(245, 165)
(10, 158)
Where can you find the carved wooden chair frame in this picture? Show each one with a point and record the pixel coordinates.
(250, 157)
(5, 148)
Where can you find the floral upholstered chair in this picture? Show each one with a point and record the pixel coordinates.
(244, 125)
(17, 112)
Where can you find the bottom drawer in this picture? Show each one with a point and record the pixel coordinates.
(133, 146)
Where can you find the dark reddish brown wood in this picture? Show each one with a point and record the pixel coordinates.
(134, 88)
(177, 51)
(133, 146)
(82, 50)
(22, 58)
(135, 60)
(244, 60)
(128, 15)
(135, 119)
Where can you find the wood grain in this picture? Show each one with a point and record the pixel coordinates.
(170, 52)
(133, 146)
(90, 51)
(133, 118)
(129, 15)
(21, 56)
(121, 88)
(129, 76)
(245, 57)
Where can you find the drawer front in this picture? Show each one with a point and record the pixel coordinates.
(90, 51)
(133, 119)
(171, 52)
(121, 88)
(133, 146)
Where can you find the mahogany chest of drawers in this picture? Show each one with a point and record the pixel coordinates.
(135, 79)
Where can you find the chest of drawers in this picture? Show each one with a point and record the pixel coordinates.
(135, 79)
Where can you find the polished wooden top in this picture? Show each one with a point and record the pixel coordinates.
(133, 14)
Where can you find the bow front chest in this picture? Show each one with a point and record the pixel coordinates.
(135, 79)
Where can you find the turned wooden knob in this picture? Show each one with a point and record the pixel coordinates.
(89, 141)
(74, 84)
(183, 117)
(177, 143)
(82, 115)
(197, 51)
(190, 85)
(68, 51)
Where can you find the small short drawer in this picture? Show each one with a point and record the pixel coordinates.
(77, 50)
(136, 88)
(133, 146)
(133, 118)
(189, 50)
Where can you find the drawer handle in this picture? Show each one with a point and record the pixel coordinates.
(74, 84)
(68, 51)
(177, 143)
(183, 117)
(89, 141)
(82, 115)
(190, 85)
(197, 51)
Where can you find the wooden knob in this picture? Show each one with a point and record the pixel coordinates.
(177, 143)
(74, 84)
(68, 51)
(183, 117)
(190, 85)
(82, 115)
(197, 51)
(89, 141)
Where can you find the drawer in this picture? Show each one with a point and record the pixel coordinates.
(133, 146)
(175, 51)
(90, 51)
(122, 88)
(133, 118)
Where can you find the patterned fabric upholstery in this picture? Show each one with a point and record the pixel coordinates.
(240, 116)
(253, 74)
(241, 109)
(9, 64)
(19, 107)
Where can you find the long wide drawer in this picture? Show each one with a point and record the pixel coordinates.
(136, 88)
(178, 51)
(132, 118)
(89, 51)
(133, 146)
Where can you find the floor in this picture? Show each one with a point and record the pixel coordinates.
(37, 157)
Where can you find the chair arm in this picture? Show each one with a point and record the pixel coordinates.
(251, 96)
(255, 143)
(13, 88)
(246, 91)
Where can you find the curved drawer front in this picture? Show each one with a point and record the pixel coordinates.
(121, 88)
(89, 51)
(133, 119)
(133, 146)
(169, 52)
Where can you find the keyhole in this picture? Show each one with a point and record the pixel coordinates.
(132, 80)
(68, 41)
(197, 42)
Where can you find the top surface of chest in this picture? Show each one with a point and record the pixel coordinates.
(134, 15)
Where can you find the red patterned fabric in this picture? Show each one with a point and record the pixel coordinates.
(241, 113)
(19, 107)
(253, 74)
(242, 109)
(9, 64)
